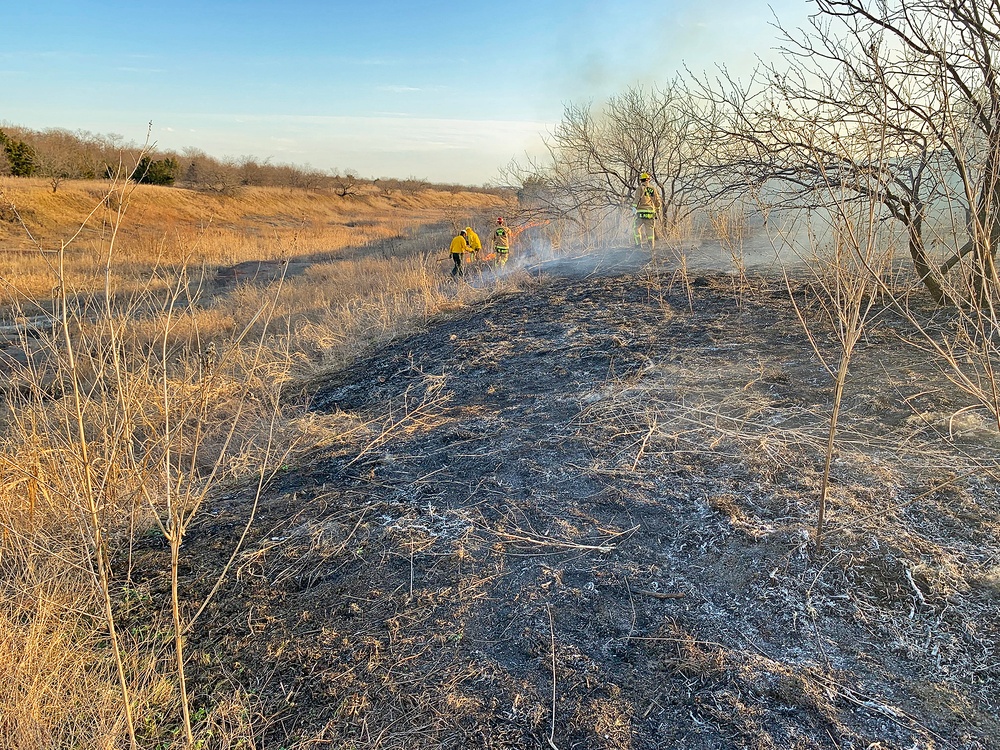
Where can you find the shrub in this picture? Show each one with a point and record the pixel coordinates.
(156, 171)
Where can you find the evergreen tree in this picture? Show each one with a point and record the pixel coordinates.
(156, 171)
(20, 156)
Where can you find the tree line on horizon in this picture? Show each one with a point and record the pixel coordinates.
(57, 155)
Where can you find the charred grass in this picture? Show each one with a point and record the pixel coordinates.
(578, 514)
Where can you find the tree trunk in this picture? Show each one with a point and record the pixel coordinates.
(921, 264)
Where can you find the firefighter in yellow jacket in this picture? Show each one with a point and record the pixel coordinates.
(475, 244)
(647, 205)
(459, 247)
(502, 237)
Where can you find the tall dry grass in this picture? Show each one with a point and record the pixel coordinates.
(145, 386)
(172, 228)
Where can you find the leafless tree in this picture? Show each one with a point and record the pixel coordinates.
(56, 164)
(251, 170)
(206, 173)
(923, 75)
(594, 159)
(345, 184)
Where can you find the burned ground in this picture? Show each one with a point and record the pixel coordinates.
(579, 516)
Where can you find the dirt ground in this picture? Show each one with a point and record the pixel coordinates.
(580, 516)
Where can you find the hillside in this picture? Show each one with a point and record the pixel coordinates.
(147, 228)
(269, 211)
(578, 515)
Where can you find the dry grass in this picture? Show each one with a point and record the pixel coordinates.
(101, 450)
(170, 228)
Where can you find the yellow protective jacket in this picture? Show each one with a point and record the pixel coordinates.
(501, 238)
(459, 244)
(647, 200)
(474, 243)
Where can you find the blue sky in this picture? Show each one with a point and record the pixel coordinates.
(445, 91)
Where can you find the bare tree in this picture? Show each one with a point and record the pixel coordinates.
(59, 155)
(345, 184)
(846, 280)
(594, 159)
(923, 72)
(215, 176)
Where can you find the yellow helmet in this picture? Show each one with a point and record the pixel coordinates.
(644, 176)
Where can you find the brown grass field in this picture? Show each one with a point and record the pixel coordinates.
(170, 227)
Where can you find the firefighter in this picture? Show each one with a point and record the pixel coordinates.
(502, 237)
(459, 247)
(647, 205)
(475, 244)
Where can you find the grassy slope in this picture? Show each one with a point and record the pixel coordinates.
(53, 216)
(169, 226)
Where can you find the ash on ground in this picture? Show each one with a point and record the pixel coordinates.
(581, 516)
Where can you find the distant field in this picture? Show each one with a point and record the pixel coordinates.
(171, 226)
